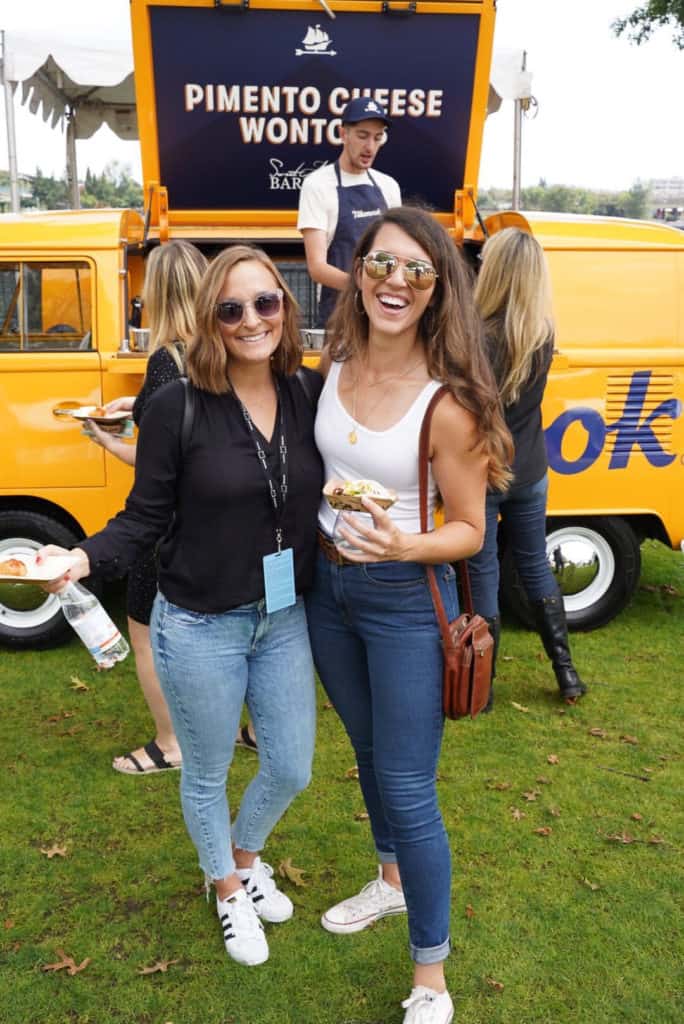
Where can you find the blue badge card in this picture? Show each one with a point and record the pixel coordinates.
(279, 580)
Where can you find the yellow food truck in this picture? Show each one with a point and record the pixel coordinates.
(236, 104)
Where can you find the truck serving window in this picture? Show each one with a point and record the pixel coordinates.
(45, 307)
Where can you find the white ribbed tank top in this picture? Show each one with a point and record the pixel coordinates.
(388, 456)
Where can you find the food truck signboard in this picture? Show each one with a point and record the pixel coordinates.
(247, 103)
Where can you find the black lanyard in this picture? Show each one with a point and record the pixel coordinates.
(277, 500)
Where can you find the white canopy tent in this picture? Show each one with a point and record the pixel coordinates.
(84, 85)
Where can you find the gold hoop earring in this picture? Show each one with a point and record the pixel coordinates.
(357, 295)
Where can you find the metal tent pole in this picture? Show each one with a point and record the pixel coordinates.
(71, 168)
(518, 105)
(11, 134)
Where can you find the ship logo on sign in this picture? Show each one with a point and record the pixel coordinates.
(316, 43)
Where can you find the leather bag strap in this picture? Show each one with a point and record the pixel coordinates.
(423, 462)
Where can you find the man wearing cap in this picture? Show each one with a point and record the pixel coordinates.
(338, 202)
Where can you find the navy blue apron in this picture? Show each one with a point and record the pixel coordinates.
(352, 200)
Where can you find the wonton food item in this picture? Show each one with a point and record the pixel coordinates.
(13, 567)
(347, 494)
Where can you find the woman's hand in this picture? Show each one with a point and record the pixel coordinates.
(123, 404)
(381, 542)
(98, 435)
(79, 568)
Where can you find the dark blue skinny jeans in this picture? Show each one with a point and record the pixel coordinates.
(376, 646)
(523, 514)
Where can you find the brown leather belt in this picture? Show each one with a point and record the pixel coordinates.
(332, 553)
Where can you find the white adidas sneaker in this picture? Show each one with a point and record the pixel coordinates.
(269, 902)
(243, 932)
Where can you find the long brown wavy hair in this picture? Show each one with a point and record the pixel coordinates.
(207, 357)
(450, 331)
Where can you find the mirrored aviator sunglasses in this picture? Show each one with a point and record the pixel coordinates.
(419, 274)
(265, 305)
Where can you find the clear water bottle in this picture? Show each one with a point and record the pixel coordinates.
(85, 614)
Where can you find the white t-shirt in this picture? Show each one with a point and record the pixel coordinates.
(318, 196)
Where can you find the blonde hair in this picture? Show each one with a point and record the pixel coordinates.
(207, 358)
(450, 330)
(172, 278)
(513, 291)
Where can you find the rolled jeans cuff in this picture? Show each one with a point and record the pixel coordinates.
(384, 857)
(432, 954)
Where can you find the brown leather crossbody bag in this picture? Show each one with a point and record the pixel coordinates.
(467, 644)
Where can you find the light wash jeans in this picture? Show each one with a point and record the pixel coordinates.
(377, 649)
(208, 665)
(523, 515)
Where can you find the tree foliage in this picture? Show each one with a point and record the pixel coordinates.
(633, 202)
(114, 187)
(644, 20)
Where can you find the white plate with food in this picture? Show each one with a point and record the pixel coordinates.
(98, 414)
(25, 570)
(346, 495)
(111, 422)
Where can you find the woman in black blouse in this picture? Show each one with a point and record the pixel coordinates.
(172, 278)
(513, 295)
(235, 509)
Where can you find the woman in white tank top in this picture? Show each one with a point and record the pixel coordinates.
(405, 325)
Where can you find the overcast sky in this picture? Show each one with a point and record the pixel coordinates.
(609, 112)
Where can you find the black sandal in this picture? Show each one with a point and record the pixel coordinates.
(156, 756)
(245, 740)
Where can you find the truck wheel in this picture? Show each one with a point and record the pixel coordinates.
(596, 562)
(30, 618)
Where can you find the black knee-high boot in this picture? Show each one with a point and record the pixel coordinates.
(494, 624)
(549, 615)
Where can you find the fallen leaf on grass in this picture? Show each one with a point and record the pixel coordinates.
(54, 851)
(327, 706)
(531, 794)
(469, 912)
(78, 684)
(161, 965)
(286, 869)
(60, 716)
(649, 770)
(542, 780)
(507, 657)
(546, 830)
(67, 962)
(519, 707)
(554, 812)
(591, 885)
(9, 923)
(630, 739)
(516, 814)
(636, 816)
(496, 985)
(620, 837)
(352, 773)
(361, 816)
(655, 840)
(498, 785)
(553, 759)
(597, 731)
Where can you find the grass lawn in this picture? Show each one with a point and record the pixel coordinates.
(577, 926)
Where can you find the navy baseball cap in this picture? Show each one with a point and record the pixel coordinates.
(364, 108)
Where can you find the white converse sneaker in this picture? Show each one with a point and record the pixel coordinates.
(425, 1006)
(269, 902)
(243, 932)
(376, 900)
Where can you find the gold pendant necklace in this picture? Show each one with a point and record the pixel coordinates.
(352, 436)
